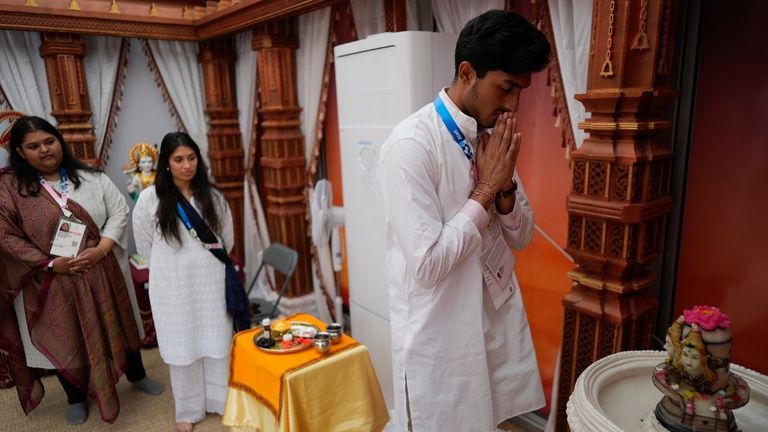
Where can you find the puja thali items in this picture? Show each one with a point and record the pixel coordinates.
(297, 337)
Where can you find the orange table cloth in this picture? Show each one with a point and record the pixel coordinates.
(304, 390)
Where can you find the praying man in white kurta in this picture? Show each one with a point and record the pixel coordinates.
(462, 354)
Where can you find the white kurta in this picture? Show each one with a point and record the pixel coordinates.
(467, 365)
(107, 207)
(186, 286)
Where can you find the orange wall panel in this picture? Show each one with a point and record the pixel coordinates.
(724, 246)
(541, 267)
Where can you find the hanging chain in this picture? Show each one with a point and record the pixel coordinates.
(607, 69)
(641, 40)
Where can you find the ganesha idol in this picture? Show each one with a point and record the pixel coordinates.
(700, 392)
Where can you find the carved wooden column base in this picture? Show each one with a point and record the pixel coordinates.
(599, 322)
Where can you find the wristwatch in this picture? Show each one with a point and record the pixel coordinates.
(50, 266)
(508, 193)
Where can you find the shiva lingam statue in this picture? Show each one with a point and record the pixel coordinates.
(143, 157)
(700, 392)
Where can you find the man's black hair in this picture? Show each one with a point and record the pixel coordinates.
(501, 40)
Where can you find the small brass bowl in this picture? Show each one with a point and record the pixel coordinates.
(335, 330)
(322, 342)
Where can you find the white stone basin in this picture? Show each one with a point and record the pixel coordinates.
(616, 393)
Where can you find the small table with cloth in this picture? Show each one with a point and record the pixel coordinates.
(303, 391)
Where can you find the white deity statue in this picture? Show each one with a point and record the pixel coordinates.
(143, 158)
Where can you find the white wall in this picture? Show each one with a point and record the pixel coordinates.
(143, 117)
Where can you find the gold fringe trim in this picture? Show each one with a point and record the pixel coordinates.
(117, 101)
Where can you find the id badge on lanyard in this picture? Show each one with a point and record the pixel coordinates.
(68, 238)
(498, 264)
(70, 231)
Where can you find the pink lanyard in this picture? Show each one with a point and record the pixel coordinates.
(60, 200)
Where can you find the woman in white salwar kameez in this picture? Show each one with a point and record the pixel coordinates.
(186, 281)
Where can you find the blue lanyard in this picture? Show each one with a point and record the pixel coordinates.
(453, 128)
(185, 219)
(64, 182)
(192, 232)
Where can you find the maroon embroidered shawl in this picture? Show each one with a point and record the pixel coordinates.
(83, 324)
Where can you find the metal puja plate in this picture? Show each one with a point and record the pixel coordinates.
(299, 329)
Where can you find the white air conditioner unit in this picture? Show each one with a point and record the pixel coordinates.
(380, 81)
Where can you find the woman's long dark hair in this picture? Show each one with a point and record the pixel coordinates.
(29, 180)
(168, 194)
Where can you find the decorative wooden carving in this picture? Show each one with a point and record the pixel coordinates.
(248, 14)
(63, 56)
(225, 148)
(282, 145)
(104, 23)
(395, 15)
(163, 19)
(619, 191)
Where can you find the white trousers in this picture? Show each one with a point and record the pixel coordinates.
(199, 388)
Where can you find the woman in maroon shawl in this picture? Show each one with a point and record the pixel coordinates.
(77, 311)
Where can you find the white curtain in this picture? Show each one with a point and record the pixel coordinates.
(101, 63)
(255, 225)
(22, 73)
(310, 65)
(177, 64)
(419, 15)
(3, 151)
(314, 29)
(572, 24)
(245, 83)
(4, 106)
(368, 16)
(451, 15)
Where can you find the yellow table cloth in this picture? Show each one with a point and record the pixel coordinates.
(335, 392)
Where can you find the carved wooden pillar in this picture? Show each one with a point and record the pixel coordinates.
(619, 187)
(63, 55)
(225, 149)
(282, 145)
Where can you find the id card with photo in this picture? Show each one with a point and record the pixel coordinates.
(68, 238)
(498, 267)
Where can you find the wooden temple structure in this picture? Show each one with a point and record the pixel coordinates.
(620, 181)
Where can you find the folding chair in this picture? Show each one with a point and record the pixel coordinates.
(282, 259)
